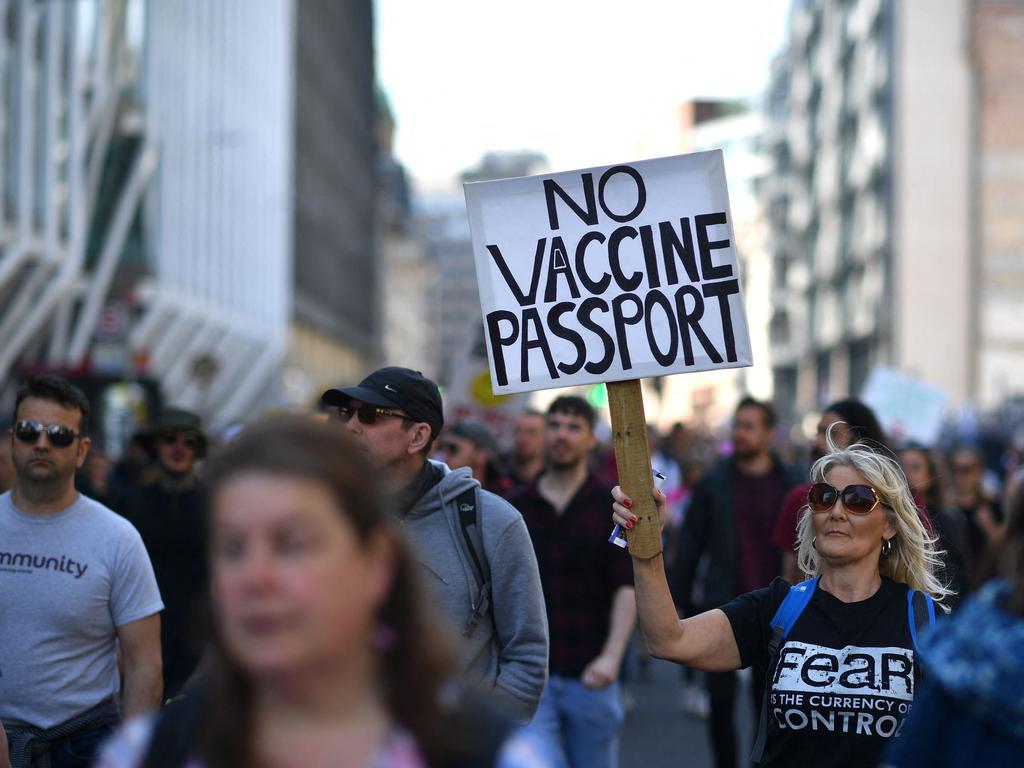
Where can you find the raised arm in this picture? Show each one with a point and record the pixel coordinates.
(704, 641)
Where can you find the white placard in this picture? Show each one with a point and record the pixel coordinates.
(608, 274)
(907, 408)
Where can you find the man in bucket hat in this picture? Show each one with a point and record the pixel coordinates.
(474, 546)
(169, 514)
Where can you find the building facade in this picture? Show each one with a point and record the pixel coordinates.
(706, 400)
(883, 199)
(335, 332)
(411, 310)
(188, 194)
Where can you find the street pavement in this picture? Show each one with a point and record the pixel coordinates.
(657, 733)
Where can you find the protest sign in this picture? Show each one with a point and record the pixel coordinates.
(468, 394)
(608, 274)
(906, 407)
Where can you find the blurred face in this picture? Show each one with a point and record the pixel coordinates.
(750, 435)
(177, 451)
(967, 471)
(568, 440)
(915, 467)
(41, 462)
(294, 587)
(459, 452)
(840, 434)
(387, 438)
(528, 441)
(844, 537)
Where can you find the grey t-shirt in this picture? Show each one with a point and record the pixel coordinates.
(67, 581)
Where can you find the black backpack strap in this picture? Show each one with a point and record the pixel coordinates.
(175, 731)
(471, 526)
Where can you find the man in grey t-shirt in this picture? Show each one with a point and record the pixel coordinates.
(77, 583)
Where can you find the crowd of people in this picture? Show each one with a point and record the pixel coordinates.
(367, 585)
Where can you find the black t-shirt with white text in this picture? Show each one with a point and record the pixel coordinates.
(845, 678)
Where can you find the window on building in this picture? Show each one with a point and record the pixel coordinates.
(859, 364)
(823, 376)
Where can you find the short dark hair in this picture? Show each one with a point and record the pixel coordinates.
(46, 386)
(767, 411)
(480, 435)
(574, 406)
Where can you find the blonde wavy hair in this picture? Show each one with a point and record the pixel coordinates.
(914, 559)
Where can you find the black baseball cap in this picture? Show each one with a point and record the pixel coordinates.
(395, 387)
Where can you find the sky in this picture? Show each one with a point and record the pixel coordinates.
(578, 81)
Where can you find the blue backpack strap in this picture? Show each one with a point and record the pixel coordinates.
(793, 604)
(920, 611)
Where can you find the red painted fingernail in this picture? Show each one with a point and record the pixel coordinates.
(629, 526)
(635, 518)
(627, 502)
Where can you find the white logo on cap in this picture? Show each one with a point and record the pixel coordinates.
(389, 388)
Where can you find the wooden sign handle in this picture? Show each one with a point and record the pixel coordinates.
(629, 428)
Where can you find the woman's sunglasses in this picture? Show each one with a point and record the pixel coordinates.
(58, 435)
(858, 499)
(368, 414)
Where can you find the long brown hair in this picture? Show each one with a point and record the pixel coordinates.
(420, 659)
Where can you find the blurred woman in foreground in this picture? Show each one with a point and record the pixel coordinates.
(842, 676)
(326, 651)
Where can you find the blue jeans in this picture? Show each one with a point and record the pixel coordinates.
(579, 724)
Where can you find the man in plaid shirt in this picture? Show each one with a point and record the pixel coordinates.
(588, 590)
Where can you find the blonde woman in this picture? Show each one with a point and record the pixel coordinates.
(841, 672)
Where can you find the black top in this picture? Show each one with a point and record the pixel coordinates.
(173, 528)
(580, 572)
(845, 679)
(428, 476)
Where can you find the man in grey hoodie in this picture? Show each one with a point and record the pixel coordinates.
(396, 413)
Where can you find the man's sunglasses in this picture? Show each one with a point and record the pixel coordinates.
(173, 438)
(58, 435)
(368, 414)
(858, 499)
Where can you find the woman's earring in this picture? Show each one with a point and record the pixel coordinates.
(886, 547)
(814, 543)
